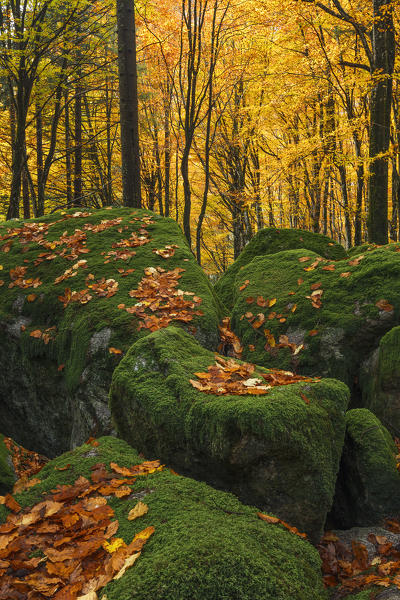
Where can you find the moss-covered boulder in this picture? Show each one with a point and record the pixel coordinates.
(368, 484)
(270, 241)
(299, 311)
(7, 473)
(279, 450)
(380, 381)
(76, 290)
(206, 544)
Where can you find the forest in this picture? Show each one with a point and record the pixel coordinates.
(251, 114)
(199, 300)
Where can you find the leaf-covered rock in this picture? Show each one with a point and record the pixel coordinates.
(368, 484)
(318, 317)
(205, 544)
(76, 290)
(270, 241)
(279, 450)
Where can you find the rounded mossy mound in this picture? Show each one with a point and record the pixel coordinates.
(206, 544)
(270, 241)
(368, 484)
(299, 311)
(279, 450)
(76, 290)
(380, 381)
(7, 473)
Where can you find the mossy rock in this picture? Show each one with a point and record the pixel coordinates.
(368, 484)
(380, 381)
(68, 378)
(275, 450)
(270, 241)
(7, 473)
(206, 544)
(334, 339)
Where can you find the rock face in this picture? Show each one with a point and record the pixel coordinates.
(368, 485)
(276, 450)
(270, 241)
(380, 381)
(68, 311)
(7, 474)
(206, 544)
(299, 311)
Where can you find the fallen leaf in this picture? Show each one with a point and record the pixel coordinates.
(138, 511)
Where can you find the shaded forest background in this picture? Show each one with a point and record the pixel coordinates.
(252, 113)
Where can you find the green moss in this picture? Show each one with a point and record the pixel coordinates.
(7, 475)
(77, 323)
(206, 545)
(368, 487)
(347, 326)
(273, 450)
(271, 241)
(380, 381)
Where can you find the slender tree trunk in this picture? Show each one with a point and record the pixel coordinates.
(68, 167)
(359, 193)
(78, 145)
(167, 153)
(383, 46)
(17, 167)
(39, 160)
(128, 103)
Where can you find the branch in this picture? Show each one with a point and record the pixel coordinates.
(345, 63)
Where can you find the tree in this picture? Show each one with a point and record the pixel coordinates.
(128, 92)
(380, 54)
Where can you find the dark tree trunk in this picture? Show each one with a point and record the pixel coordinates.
(25, 194)
(68, 168)
(39, 160)
(127, 68)
(167, 152)
(383, 48)
(78, 147)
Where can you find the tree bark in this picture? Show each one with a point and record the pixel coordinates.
(129, 111)
(383, 48)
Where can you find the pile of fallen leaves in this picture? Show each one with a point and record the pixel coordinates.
(65, 547)
(103, 288)
(25, 462)
(160, 300)
(352, 570)
(230, 343)
(237, 379)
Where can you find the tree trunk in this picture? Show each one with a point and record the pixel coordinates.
(383, 47)
(68, 168)
(39, 160)
(129, 111)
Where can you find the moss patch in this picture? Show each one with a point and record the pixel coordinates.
(272, 450)
(7, 475)
(380, 381)
(368, 486)
(340, 334)
(206, 545)
(271, 241)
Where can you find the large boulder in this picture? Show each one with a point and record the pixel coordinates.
(76, 290)
(205, 545)
(299, 311)
(7, 473)
(368, 484)
(380, 381)
(270, 241)
(279, 450)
